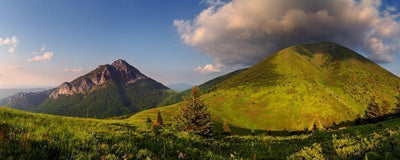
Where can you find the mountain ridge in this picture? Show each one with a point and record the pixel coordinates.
(109, 90)
(7, 92)
(119, 70)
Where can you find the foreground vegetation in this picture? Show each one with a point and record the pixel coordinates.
(38, 136)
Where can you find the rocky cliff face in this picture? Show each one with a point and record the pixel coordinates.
(119, 71)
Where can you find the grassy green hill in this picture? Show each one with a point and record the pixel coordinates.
(33, 136)
(299, 87)
(204, 88)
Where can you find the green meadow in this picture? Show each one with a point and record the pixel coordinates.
(39, 136)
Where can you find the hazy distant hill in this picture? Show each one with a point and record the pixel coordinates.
(299, 87)
(109, 90)
(180, 86)
(26, 100)
(9, 92)
(204, 88)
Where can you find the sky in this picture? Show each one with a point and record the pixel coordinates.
(45, 42)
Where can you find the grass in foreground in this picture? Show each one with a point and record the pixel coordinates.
(38, 136)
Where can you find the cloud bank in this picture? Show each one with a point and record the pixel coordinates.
(10, 42)
(242, 32)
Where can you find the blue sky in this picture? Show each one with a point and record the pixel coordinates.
(80, 35)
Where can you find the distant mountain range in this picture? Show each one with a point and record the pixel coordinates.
(26, 100)
(180, 86)
(109, 90)
(12, 91)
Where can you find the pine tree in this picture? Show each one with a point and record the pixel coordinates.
(315, 128)
(373, 110)
(193, 116)
(149, 122)
(159, 119)
(226, 130)
(156, 128)
(158, 124)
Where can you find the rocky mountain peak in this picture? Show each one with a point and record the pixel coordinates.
(120, 63)
(126, 72)
(119, 71)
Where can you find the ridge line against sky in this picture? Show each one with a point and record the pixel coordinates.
(44, 43)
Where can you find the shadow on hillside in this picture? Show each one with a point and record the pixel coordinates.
(129, 127)
(360, 121)
(337, 52)
(262, 74)
(345, 124)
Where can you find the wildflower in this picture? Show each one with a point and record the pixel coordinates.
(181, 155)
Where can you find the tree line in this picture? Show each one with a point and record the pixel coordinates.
(375, 110)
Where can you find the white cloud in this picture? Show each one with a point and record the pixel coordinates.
(76, 70)
(13, 67)
(43, 48)
(45, 57)
(245, 31)
(10, 42)
(209, 68)
(213, 2)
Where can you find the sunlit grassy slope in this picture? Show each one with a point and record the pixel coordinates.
(204, 88)
(39, 136)
(297, 87)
